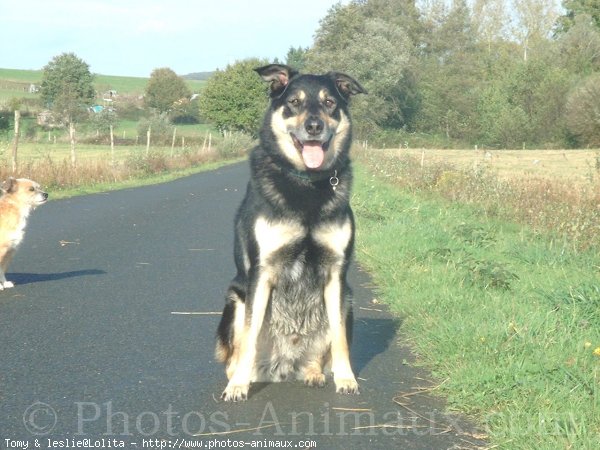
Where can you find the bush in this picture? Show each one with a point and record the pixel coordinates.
(233, 144)
(161, 131)
(5, 122)
(103, 120)
(235, 98)
(583, 111)
(130, 107)
(185, 112)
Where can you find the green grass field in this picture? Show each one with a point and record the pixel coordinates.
(507, 320)
(129, 129)
(15, 83)
(47, 148)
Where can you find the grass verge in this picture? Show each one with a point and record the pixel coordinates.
(508, 319)
(96, 170)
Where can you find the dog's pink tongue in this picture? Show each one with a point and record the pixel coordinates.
(313, 155)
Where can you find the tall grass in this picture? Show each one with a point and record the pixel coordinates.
(53, 170)
(569, 211)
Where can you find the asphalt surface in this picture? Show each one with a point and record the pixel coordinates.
(92, 354)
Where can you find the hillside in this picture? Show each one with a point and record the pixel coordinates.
(198, 76)
(16, 83)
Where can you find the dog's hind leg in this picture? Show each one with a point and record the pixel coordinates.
(313, 373)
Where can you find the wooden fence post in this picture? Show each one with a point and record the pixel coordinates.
(173, 141)
(148, 140)
(72, 138)
(15, 145)
(112, 146)
(204, 143)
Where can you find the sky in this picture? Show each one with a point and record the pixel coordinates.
(133, 37)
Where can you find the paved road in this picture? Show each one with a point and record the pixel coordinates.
(90, 347)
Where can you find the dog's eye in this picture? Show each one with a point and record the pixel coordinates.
(31, 189)
(329, 102)
(295, 102)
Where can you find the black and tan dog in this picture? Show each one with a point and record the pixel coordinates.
(288, 314)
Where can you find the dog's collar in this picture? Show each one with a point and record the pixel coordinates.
(314, 177)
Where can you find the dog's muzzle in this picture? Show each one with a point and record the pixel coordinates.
(44, 198)
(312, 151)
(312, 142)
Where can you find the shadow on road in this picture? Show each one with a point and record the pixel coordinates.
(372, 336)
(29, 278)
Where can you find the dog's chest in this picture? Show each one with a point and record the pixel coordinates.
(15, 229)
(298, 261)
(289, 243)
(19, 233)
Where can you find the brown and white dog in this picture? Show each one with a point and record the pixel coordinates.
(18, 198)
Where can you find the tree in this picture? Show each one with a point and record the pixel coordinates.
(490, 19)
(574, 8)
(501, 123)
(235, 98)
(374, 52)
(402, 14)
(525, 106)
(164, 89)
(104, 120)
(536, 19)
(67, 87)
(583, 112)
(579, 47)
(449, 72)
(296, 58)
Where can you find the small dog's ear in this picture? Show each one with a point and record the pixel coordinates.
(346, 85)
(278, 75)
(9, 186)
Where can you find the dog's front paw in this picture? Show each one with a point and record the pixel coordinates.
(235, 392)
(346, 386)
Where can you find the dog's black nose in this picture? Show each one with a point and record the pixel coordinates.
(45, 195)
(314, 126)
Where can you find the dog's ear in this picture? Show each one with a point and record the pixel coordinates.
(346, 85)
(278, 75)
(9, 186)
